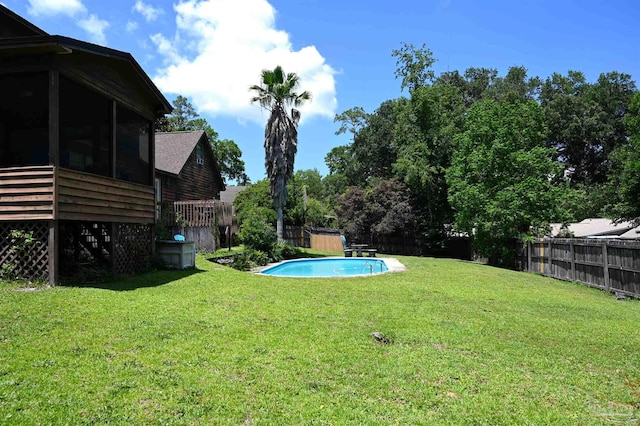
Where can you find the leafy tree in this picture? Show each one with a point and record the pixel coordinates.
(382, 209)
(625, 172)
(514, 87)
(275, 93)
(424, 137)
(373, 149)
(352, 120)
(228, 155)
(472, 85)
(500, 179)
(586, 122)
(255, 196)
(183, 114)
(303, 205)
(413, 66)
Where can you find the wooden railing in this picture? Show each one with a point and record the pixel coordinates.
(194, 213)
(83, 196)
(27, 193)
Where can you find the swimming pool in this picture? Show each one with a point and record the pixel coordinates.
(328, 267)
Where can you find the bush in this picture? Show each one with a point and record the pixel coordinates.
(284, 250)
(256, 233)
(249, 259)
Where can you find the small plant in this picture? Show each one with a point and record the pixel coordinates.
(21, 243)
(162, 231)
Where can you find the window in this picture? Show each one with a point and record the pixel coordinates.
(85, 129)
(199, 154)
(24, 119)
(132, 147)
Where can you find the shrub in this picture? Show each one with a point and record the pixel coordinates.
(256, 233)
(249, 259)
(284, 250)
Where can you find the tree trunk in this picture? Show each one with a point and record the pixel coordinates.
(280, 225)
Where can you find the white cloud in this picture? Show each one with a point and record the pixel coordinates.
(95, 27)
(131, 26)
(149, 12)
(220, 49)
(74, 9)
(55, 7)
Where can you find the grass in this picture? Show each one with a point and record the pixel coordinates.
(469, 344)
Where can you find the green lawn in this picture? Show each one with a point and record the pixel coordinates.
(470, 344)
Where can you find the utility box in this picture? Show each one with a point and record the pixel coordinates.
(177, 254)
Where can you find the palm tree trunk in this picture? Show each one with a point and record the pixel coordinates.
(280, 225)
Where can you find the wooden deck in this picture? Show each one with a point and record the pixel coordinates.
(47, 193)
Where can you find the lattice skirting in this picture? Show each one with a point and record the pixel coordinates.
(83, 246)
(24, 259)
(133, 248)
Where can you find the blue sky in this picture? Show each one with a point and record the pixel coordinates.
(212, 50)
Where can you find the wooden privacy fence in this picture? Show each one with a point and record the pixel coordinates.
(608, 264)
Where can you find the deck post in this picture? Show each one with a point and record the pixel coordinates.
(53, 252)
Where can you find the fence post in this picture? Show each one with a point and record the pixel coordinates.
(573, 260)
(529, 260)
(605, 259)
(550, 272)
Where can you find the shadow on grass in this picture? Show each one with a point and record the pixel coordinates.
(133, 282)
(226, 260)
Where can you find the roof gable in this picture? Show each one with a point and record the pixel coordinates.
(18, 37)
(13, 25)
(173, 150)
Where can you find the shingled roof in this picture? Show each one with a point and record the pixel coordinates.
(174, 148)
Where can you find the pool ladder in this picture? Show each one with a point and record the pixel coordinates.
(370, 266)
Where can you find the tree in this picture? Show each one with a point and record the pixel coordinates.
(255, 197)
(625, 172)
(352, 120)
(373, 148)
(275, 93)
(501, 177)
(586, 122)
(381, 209)
(424, 136)
(413, 65)
(182, 115)
(303, 202)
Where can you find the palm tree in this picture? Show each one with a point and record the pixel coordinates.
(276, 93)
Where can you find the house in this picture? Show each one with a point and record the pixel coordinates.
(231, 192)
(186, 167)
(77, 154)
(594, 228)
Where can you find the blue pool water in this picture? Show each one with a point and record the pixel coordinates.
(328, 267)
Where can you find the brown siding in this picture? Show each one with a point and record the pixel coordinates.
(83, 196)
(169, 187)
(198, 181)
(26, 193)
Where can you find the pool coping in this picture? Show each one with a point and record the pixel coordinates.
(392, 263)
